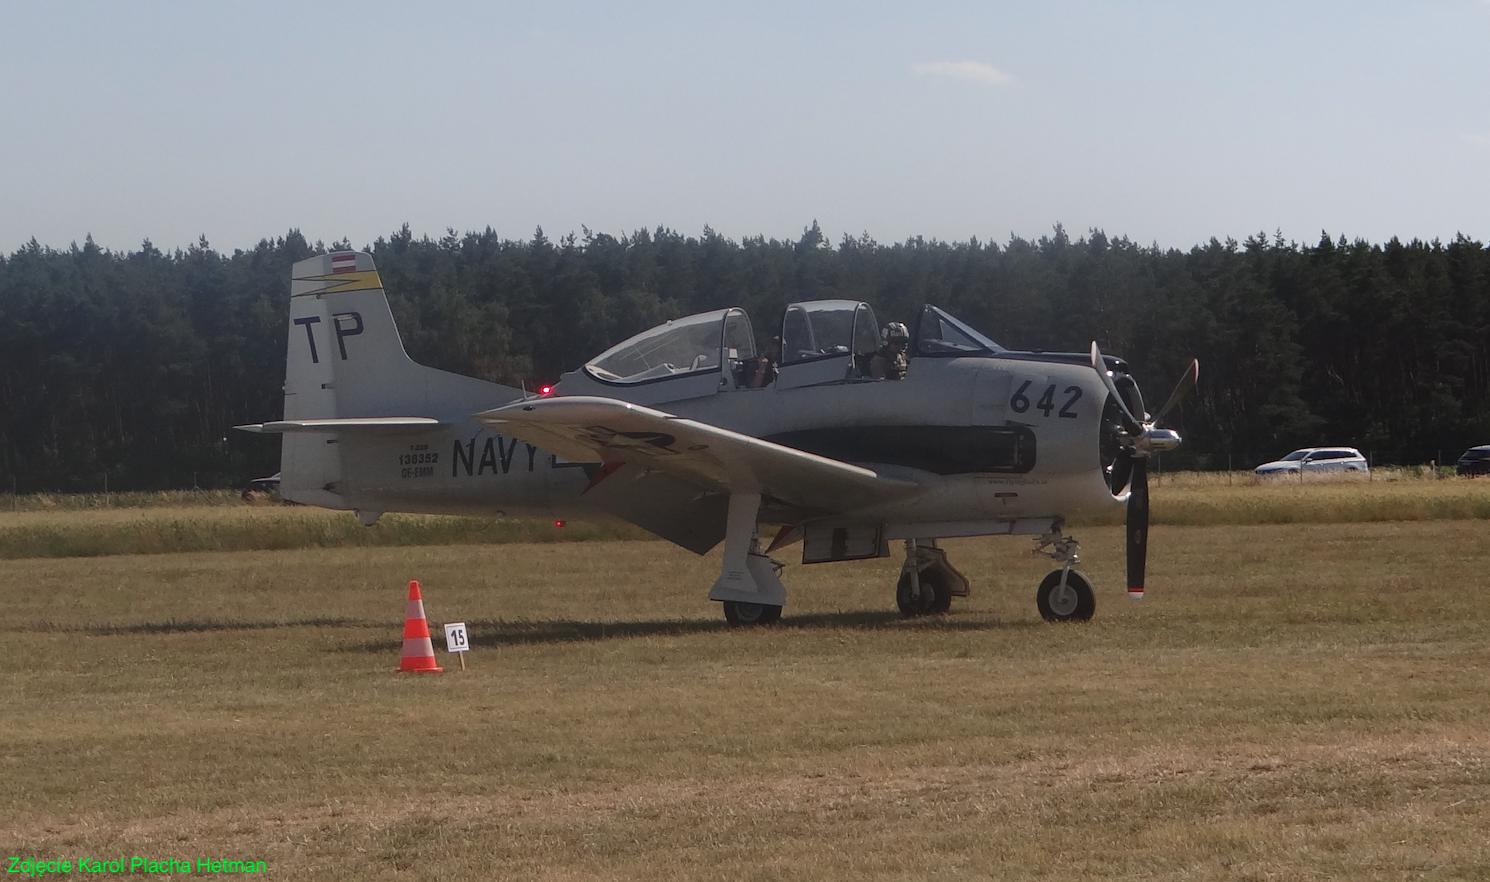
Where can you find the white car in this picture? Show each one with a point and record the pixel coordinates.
(1315, 459)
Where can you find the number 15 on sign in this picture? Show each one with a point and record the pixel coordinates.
(457, 641)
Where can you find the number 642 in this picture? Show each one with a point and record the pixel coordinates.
(1020, 402)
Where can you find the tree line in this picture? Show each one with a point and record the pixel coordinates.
(130, 367)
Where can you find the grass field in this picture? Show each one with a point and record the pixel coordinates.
(1291, 701)
(169, 523)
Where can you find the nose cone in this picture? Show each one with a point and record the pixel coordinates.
(1159, 440)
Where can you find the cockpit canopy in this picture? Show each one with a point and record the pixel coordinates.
(822, 341)
(696, 344)
(827, 328)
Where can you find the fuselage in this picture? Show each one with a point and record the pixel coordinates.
(990, 437)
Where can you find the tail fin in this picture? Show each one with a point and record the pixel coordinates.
(346, 371)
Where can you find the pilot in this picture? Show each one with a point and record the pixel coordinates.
(762, 371)
(889, 361)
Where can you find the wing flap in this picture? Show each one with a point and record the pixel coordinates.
(664, 505)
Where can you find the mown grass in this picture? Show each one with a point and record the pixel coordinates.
(1290, 701)
(178, 529)
(184, 522)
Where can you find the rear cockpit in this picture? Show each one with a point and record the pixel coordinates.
(698, 344)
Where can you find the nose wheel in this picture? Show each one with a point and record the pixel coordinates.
(1066, 596)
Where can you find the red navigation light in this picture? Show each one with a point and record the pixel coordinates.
(545, 390)
(558, 523)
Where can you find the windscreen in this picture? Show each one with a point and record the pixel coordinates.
(938, 333)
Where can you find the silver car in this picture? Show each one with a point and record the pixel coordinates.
(1315, 459)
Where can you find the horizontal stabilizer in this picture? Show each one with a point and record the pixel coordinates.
(365, 425)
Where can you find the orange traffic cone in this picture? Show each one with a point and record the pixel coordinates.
(419, 652)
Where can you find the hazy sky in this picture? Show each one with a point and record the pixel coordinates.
(1167, 122)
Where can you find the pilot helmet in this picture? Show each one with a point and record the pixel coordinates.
(895, 332)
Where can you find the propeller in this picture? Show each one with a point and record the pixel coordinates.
(1139, 439)
(1138, 526)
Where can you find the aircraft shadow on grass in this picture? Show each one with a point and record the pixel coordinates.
(494, 633)
(499, 632)
(196, 626)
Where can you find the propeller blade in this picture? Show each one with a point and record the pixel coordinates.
(1122, 470)
(1138, 527)
(1130, 422)
(1186, 383)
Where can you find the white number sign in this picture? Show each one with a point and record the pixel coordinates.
(455, 638)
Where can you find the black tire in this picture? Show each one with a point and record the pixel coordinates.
(1077, 605)
(936, 594)
(744, 615)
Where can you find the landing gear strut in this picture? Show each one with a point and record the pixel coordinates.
(747, 584)
(1064, 595)
(927, 582)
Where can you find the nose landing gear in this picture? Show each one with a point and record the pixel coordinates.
(1064, 595)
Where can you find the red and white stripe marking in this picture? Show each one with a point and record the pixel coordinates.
(418, 652)
(344, 263)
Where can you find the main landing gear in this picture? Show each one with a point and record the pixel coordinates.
(740, 613)
(927, 581)
(1064, 595)
(748, 585)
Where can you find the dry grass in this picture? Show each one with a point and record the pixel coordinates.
(184, 528)
(174, 523)
(1290, 702)
(143, 499)
(1215, 498)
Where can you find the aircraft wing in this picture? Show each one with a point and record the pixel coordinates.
(591, 429)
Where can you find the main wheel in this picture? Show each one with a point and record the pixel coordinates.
(740, 613)
(1075, 603)
(935, 597)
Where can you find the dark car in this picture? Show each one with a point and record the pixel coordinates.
(1475, 461)
(262, 488)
